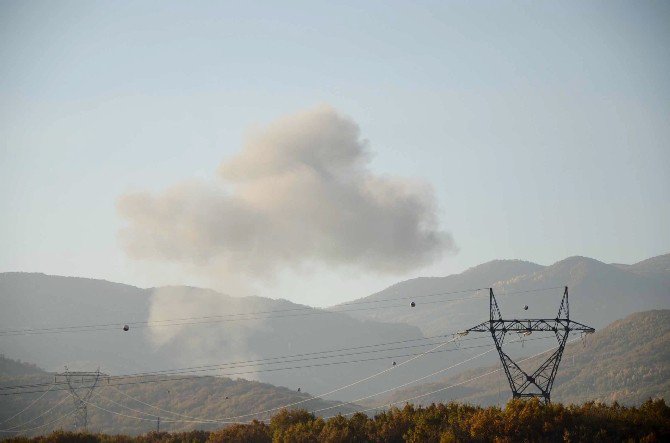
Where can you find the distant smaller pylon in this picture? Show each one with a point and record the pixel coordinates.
(81, 385)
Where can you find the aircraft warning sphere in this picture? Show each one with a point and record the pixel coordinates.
(525, 308)
(126, 328)
(412, 304)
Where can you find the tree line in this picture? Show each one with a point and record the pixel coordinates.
(519, 420)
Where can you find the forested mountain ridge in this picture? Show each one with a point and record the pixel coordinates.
(656, 267)
(38, 300)
(599, 293)
(182, 403)
(628, 362)
(9, 367)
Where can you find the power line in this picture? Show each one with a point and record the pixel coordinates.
(269, 360)
(227, 419)
(455, 384)
(42, 414)
(298, 402)
(413, 381)
(62, 417)
(246, 316)
(234, 316)
(227, 366)
(169, 379)
(319, 396)
(29, 406)
(200, 420)
(260, 361)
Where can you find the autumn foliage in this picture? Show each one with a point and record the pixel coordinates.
(528, 421)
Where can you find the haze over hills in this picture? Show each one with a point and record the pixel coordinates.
(179, 402)
(655, 267)
(599, 294)
(37, 300)
(628, 361)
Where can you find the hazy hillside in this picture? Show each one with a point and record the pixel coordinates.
(200, 397)
(38, 300)
(655, 267)
(11, 367)
(599, 293)
(628, 361)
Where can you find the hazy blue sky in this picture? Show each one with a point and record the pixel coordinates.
(544, 127)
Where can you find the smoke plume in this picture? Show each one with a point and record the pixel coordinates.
(299, 192)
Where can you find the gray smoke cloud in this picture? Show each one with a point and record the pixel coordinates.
(299, 192)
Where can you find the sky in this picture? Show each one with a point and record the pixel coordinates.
(520, 130)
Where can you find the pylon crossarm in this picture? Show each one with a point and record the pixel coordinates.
(482, 327)
(579, 327)
(531, 325)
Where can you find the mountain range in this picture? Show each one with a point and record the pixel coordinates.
(628, 362)
(181, 404)
(214, 328)
(599, 293)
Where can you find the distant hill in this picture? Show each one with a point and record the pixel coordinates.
(199, 397)
(13, 367)
(628, 361)
(37, 300)
(655, 267)
(599, 293)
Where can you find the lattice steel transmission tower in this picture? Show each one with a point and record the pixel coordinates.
(539, 383)
(81, 385)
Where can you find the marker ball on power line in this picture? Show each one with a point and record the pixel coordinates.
(126, 328)
(412, 304)
(525, 308)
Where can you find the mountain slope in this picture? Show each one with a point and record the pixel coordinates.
(599, 293)
(198, 398)
(9, 367)
(656, 267)
(437, 318)
(38, 300)
(628, 361)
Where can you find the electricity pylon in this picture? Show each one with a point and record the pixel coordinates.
(539, 383)
(81, 386)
